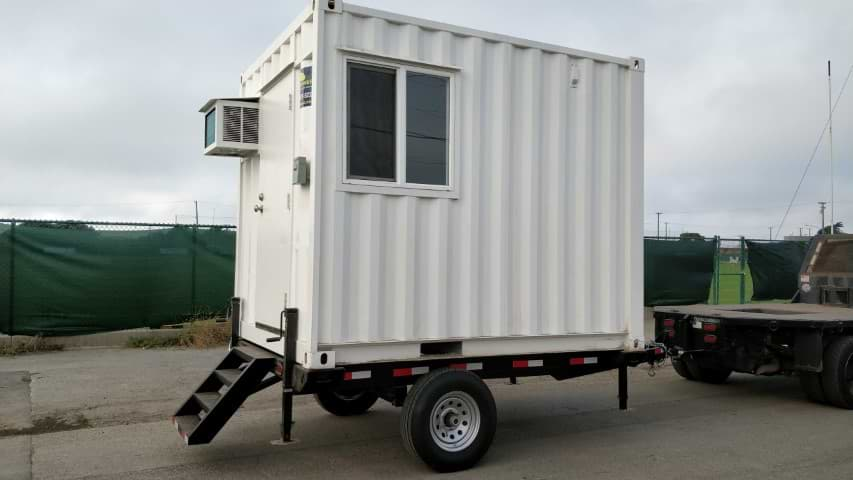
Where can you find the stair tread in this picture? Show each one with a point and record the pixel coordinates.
(228, 376)
(251, 352)
(207, 399)
(186, 424)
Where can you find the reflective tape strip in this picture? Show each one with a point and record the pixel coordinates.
(467, 366)
(360, 375)
(405, 372)
(583, 361)
(527, 363)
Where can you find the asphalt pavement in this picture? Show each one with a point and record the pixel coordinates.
(104, 413)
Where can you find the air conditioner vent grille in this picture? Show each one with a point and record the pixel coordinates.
(231, 123)
(250, 125)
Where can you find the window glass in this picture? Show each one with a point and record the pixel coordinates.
(371, 122)
(209, 128)
(426, 129)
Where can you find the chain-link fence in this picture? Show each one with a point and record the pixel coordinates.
(74, 277)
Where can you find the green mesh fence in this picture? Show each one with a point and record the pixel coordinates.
(58, 279)
(678, 272)
(775, 267)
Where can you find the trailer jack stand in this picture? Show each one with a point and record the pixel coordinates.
(290, 333)
(623, 386)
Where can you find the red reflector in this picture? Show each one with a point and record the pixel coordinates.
(347, 375)
(459, 366)
(709, 327)
(576, 361)
(658, 351)
(710, 339)
(669, 322)
(402, 372)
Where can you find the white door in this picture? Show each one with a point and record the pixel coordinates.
(269, 222)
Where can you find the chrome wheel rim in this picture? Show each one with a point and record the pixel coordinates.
(454, 421)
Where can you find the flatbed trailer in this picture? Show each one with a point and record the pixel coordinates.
(812, 338)
(449, 415)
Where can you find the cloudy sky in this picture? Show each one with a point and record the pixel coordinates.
(100, 101)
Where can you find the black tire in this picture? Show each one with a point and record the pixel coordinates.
(345, 403)
(707, 374)
(681, 369)
(461, 402)
(812, 387)
(837, 377)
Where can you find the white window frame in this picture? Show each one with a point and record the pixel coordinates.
(399, 186)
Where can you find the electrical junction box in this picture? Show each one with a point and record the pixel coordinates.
(300, 171)
(231, 127)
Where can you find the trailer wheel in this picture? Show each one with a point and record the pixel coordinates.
(449, 419)
(812, 386)
(837, 378)
(346, 402)
(680, 368)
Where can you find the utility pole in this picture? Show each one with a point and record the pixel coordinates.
(196, 212)
(801, 231)
(831, 160)
(822, 215)
(659, 214)
(666, 232)
(771, 232)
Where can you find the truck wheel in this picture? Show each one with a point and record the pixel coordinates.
(449, 419)
(680, 368)
(346, 402)
(812, 387)
(837, 377)
(715, 375)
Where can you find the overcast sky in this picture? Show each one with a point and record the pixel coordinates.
(100, 100)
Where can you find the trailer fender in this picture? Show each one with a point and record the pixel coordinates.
(808, 351)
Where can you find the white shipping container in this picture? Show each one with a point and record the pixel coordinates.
(461, 192)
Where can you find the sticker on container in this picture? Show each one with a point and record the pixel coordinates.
(305, 85)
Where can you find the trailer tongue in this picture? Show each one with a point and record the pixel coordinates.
(812, 338)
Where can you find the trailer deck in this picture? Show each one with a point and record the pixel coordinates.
(792, 314)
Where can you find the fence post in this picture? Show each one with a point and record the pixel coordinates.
(193, 281)
(716, 270)
(742, 270)
(12, 279)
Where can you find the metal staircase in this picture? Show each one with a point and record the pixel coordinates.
(244, 371)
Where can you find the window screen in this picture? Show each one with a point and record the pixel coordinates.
(426, 129)
(371, 122)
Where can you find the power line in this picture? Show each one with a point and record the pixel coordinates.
(814, 152)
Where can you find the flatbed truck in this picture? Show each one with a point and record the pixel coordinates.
(812, 337)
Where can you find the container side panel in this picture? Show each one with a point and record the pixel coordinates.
(541, 240)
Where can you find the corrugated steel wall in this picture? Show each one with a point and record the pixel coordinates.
(546, 236)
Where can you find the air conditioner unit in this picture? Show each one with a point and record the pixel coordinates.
(231, 127)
